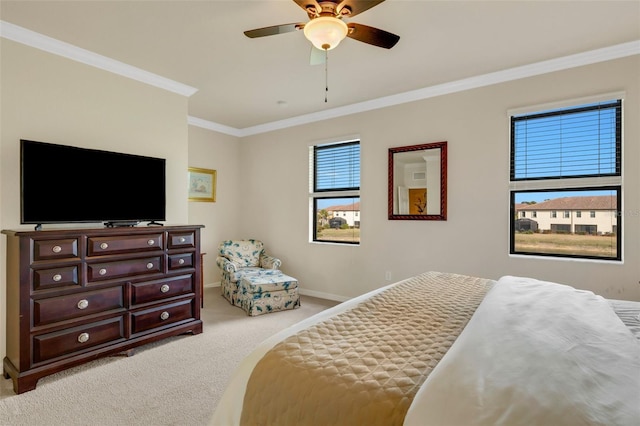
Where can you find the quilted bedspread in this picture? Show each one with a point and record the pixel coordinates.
(364, 365)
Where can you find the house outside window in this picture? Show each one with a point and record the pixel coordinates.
(568, 159)
(334, 192)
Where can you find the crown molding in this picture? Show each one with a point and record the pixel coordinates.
(57, 47)
(69, 51)
(576, 60)
(210, 125)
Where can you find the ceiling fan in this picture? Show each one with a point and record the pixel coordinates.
(326, 28)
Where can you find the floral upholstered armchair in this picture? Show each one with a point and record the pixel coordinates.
(239, 258)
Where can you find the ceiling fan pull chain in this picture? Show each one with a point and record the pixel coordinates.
(326, 74)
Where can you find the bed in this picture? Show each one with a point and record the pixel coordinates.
(448, 349)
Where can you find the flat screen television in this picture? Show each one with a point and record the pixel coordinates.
(65, 184)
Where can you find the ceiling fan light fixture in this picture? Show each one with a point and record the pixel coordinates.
(325, 32)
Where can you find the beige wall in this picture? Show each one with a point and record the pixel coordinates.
(51, 99)
(211, 150)
(474, 240)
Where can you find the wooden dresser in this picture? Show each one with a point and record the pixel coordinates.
(74, 295)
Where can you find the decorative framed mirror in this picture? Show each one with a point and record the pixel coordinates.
(418, 182)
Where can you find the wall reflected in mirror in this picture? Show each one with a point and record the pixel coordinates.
(418, 182)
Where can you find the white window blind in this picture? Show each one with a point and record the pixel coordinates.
(573, 142)
(337, 167)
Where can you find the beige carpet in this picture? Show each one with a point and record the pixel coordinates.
(174, 382)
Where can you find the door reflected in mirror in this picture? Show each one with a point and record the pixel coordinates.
(418, 182)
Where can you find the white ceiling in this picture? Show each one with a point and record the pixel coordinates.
(246, 83)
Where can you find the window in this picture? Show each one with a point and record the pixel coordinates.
(587, 229)
(534, 214)
(524, 214)
(568, 159)
(335, 192)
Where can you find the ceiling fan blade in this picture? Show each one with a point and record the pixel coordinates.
(357, 6)
(317, 56)
(370, 35)
(276, 29)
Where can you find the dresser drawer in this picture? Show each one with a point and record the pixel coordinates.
(54, 309)
(123, 268)
(97, 246)
(55, 249)
(68, 341)
(164, 315)
(182, 260)
(151, 291)
(182, 239)
(44, 279)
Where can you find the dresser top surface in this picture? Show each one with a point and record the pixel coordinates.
(127, 230)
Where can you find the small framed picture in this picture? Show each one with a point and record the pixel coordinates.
(202, 184)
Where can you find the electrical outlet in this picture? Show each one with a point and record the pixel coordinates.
(387, 275)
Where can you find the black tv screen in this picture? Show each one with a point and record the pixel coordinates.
(65, 184)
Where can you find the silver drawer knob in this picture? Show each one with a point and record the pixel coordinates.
(56, 249)
(83, 337)
(182, 239)
(83, 304)
(164, 315)
(104, 246)
(164, 288)
(57, 277)
(151, 242)
(181, 262)
(102, 271)
(149, 265)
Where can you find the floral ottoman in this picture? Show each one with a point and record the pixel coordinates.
(263, 293)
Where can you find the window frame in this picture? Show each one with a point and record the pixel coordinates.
(591, 181)
(618, 225)
(351, 193)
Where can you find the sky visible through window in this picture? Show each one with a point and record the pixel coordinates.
(323, 203)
